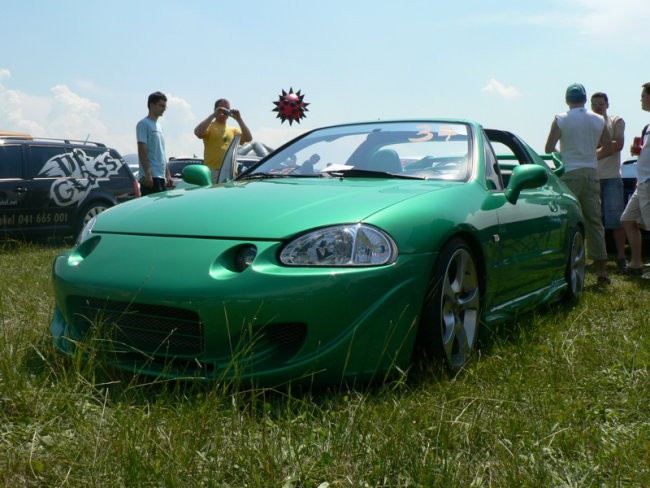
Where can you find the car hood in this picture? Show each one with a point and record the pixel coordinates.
(268, 209)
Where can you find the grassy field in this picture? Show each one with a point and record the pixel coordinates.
(560, 398)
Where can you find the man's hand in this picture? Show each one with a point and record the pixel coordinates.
(246, 135)
(234, 113)
(553, 137)
(148, 180)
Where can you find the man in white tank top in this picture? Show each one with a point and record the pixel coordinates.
(637, 211)
(581, 133)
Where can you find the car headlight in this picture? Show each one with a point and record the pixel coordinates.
(341, 245)
(86, 231)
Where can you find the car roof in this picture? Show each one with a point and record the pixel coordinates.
(23, 136)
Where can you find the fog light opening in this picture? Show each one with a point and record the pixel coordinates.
(245, 257)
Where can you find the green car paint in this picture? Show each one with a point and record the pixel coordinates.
(192, 283)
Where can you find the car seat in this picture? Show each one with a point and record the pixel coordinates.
(385, 160)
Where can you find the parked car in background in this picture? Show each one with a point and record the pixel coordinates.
(628, 172)
(401, 235)
(249, 154)
(176, 167)
(56, 186)
(133, 163)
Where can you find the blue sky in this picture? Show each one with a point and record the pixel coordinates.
(83, 69)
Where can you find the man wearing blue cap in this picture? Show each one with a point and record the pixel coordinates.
(583, 137)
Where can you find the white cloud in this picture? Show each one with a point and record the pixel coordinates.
(178, 123)
(90, 87)
(74, 116)
(63, 114)
(500, 89)
(66, 114)
(181, 107)
(512, 17)
(599, 18)
(18, 111)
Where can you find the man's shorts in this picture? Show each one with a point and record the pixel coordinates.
(638, 207)
(158, 186)
(612, 202)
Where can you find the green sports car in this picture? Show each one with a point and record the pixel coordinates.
(333, 259)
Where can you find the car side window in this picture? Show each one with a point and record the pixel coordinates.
(49, 161)
(507, 160)
(73, 162)
(11, 162)
(492, 172)
(99, 163)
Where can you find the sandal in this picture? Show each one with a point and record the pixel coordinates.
(634, 271)
(621, 265)
(604, 280)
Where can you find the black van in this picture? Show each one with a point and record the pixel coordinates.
(55, 186)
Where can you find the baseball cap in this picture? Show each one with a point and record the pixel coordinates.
(576, 93)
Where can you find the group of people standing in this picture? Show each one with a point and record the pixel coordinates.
(590, 146)
(216, 136)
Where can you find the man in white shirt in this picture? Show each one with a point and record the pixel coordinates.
(612, 196)
(637, 211)
(581, 133)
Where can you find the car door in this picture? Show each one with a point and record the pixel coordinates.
(229, 163)
(528, 234)
(54, 186)
(13, 188)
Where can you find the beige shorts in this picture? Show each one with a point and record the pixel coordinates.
(638, 207)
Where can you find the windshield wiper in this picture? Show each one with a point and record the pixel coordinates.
(261, 176)
(264, 176)
(355, 172)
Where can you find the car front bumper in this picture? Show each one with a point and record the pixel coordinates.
(175, 306)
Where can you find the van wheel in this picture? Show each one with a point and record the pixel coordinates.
(88, 213)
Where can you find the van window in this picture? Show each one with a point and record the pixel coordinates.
(51, 162)
(10, 162)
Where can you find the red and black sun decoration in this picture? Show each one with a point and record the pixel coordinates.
(291, 106)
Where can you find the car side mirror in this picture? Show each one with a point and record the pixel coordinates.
(525, 176)
(197, 174)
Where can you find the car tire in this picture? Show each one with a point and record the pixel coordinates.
(575, 269)
(452, 310)
(88, 213)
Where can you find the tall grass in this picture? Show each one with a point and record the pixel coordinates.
(558, 398)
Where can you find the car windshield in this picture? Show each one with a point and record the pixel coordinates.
(418, 149)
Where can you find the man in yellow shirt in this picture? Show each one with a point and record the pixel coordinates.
(217, 136)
